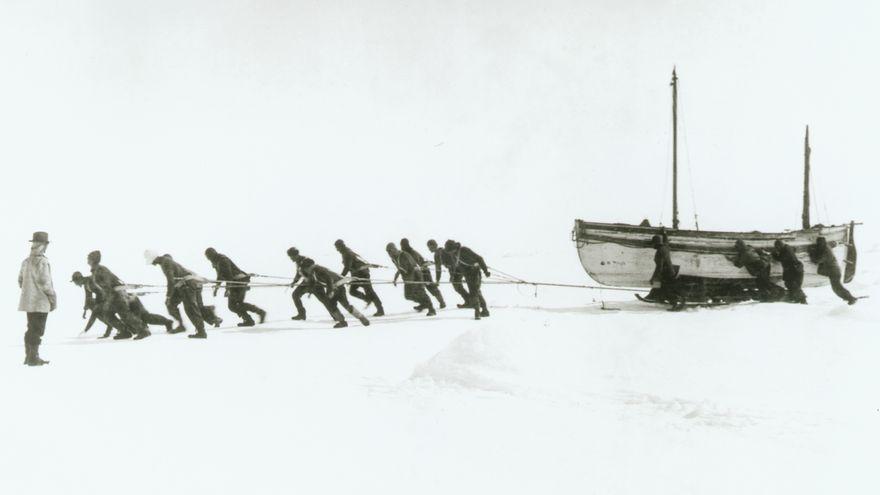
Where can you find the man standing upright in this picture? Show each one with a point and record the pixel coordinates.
(360, 269)
(236, 287)
(38, 297)
(821, 254)
(473, 267)
(441, 259)
(792, 271)
(665, 275)
(432, 287)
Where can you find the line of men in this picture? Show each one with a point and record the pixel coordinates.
(758, 264)
(107, 296)
(329, 287)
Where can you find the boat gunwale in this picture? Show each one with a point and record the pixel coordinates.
(709, 234)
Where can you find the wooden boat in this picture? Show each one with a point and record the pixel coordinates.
(621, 255)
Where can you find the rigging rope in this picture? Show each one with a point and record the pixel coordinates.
(687, 151)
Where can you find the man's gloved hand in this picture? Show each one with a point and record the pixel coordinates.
(487, 273)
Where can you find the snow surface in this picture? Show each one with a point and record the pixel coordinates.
(552, 394)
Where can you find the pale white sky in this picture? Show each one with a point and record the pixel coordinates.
(251, 126)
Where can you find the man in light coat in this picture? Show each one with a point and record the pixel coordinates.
(37, 296)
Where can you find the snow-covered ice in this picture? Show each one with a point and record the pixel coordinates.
(551, 394)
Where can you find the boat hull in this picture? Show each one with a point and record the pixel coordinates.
(621, 255)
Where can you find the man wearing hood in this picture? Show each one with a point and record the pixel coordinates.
(38, 297)
(114, 299)
(821, 254)
(473, 267)
(413, 284)
(425, 268)
(237, 285)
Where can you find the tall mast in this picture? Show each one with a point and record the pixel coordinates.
(805, 215)
(674, 85)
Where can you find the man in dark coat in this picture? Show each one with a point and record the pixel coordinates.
(237, 286)
(184, 286)
(113, 300)
(441, 259)
(94, 303)
(473, 267)
(333, 285)
(792, 271)
(758, 266)
(665, 274)
(413, 284)
(821, 254)
(425, 267)
(303, 284)
(360, 270)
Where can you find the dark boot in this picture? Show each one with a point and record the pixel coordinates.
(199, 335)
(27, 353)
(440, 300)
(35, 356)
(484, 313)
(380, 311)
(261, 314)
(169, 326)
(247, 323)
(179, 328)
(340, 324)
(299, 317)
(122, 334)
(419, 308)
(465, 305)
(431, 312)
(142, 335)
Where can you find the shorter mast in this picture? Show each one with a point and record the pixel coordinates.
(805, 215)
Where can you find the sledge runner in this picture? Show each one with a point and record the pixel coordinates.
(758, 265)
(359, 269)
(38, 297)
(821, 254)
(237, 286)
(425, 269)
(413, 288)
(441, 259)
(665, 275)
(333, 283)
(473, 267)
(792, 271)
(113, 300)
(184, 286)
(303, 285)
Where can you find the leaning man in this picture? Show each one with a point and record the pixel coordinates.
(37, 296)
